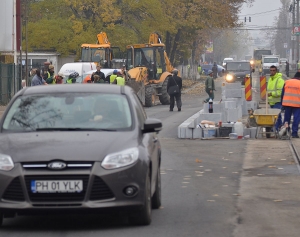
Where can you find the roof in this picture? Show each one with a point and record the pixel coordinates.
(65, 88)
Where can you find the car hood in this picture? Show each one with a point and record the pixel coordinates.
(239, 73)
(68, 146)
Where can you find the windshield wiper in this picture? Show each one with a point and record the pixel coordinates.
(75, 129)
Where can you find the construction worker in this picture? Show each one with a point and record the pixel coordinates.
(113, 76)
(291, 103)
(119, 80)
(209, 86)
(97, 79)
(274, 90)
(298, 65)
(125, 73)
(59, 78)
(72, 78)
(49, 76)
(99, 73)
(199, 69)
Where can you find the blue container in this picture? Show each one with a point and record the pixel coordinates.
(208, 132)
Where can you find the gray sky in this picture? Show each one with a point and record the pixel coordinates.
(262, 13)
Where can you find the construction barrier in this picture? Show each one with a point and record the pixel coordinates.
(248, 89)
(263, 87)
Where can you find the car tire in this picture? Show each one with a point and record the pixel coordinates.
(164, 98)
(143, 217)
(149, 96)
(156, 198)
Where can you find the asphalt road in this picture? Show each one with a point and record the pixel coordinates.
(201, 186)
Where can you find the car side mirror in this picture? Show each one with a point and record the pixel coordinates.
(152, 125)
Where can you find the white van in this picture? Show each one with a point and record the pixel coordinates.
(79, 67)
(226, 60)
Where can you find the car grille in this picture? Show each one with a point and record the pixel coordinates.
(69, 165)
(14, 191)
(100, 191)
(56, 197)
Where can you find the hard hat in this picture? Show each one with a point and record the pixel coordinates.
(60, 74)
(74, 75)
(115, 72)
(209, 72)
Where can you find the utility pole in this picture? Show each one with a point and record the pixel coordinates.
(297, 37)
(26, 42)
(293, 41)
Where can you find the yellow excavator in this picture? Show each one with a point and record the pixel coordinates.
(101, 53)
(149, 68)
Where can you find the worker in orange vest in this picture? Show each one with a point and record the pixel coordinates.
(291, 102)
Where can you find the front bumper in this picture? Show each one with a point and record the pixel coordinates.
(102, 189)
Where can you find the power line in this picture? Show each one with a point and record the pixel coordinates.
(260, 12)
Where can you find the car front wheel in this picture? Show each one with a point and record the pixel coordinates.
(156, 198)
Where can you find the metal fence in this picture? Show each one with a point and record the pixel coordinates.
(10, 81)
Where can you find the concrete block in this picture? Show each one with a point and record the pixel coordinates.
(232, 115)
(235, 85)
(247, 131)
(215, 117)
(233, 93)
(253, 132)
(189, 133)
(231, 104)
(197, 133)
(217, 107)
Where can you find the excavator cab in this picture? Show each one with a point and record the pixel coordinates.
(100, 53)
(152, 58)
(149, 70)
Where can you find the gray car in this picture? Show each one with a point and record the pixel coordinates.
(79, 148)
(237, 71)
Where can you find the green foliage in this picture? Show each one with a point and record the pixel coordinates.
(64, 25)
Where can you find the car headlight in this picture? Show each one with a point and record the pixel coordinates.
(6, 163)
(229, 77)
(120, 159)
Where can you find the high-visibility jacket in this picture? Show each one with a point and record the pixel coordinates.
(291, 95)
(120, 81)
(275, 85)
(112, 78)
(298, 65)
(50, 79)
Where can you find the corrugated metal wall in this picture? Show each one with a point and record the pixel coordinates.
(10, 82)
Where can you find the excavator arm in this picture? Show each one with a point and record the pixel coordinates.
(102, 38)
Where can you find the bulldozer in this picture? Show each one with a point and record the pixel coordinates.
(150, 69)
(102, 52)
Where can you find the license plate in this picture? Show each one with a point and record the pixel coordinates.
(56, 186)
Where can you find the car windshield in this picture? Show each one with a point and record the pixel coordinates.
(238, 66)
(69, 111)
(270, 60)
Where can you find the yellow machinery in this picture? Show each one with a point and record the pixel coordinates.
(101, 53)
(149, 69)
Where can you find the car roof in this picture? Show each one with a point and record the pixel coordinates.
(65, 88)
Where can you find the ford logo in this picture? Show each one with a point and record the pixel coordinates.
(57, 165)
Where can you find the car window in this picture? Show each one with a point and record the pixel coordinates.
(92, 111)
(141, 113)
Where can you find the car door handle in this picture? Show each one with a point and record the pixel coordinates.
(155, 139)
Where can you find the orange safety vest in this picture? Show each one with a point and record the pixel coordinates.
(291, 95)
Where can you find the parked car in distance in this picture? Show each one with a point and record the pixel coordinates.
(207, 67)
(83, 148)
(238, 71)
(226, 60)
